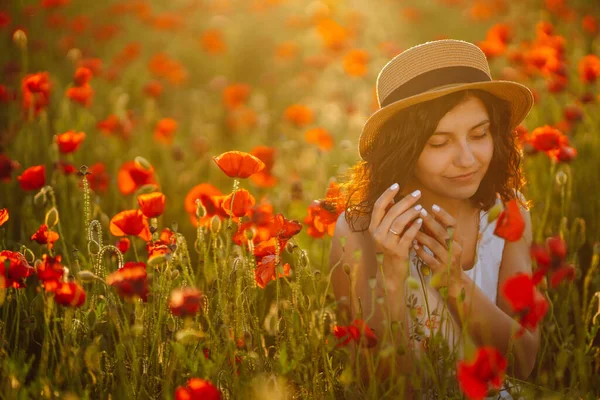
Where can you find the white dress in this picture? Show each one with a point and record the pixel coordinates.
(484, 274)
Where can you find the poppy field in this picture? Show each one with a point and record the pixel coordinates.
(171, 174)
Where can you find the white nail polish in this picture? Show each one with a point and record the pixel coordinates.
(435, 208)
(394, 186)
(418, 207)
(419, 220)
(415, 193)
(424, 212)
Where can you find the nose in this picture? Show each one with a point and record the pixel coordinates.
(465, 157)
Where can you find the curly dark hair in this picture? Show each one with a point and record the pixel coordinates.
(402, 138)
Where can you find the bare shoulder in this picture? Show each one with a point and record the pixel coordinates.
(347, 240)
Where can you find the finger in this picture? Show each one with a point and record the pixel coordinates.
(404, 220)
(428, 259)
(443, 216)
(412, 231)
(381, 203)
(436, 229)
(399, 208)
(435, 246)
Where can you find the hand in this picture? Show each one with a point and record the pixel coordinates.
(438, 240)
(399, 219)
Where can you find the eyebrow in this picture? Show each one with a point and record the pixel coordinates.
(473, 127)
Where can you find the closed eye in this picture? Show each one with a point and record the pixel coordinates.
(474, 137)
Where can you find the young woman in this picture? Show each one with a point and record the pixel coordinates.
(436, 156)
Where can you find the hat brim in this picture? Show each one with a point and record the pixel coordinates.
(519, 97)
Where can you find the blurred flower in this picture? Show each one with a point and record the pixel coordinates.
(50, 271)
(235, 95)
(355, 62)
(167, 21)
(196, 389)
(69, 294)
(263, 178)
(54, 3)
(242, 118)
(525, 300)
(112, 124)
(547, 138)
(35, 89)
(5, 19)
(81, 94)
(238, 164)
(573, 113)
(82, 76)
(7, 166)
(564, 154)
(510, 224)
(18, 268)
(589, 68)
(33, 178)
(476, 377)
(45, 236)
(98, 177)
(551, 257)
(323, 214)
(242, 203)
(355, 331)
(6, 94)
(185, 301)
(3, 216)
(211, 199)
(152, 204)
(212, 41)
(123, 244)
(66, 168)
(132, 176)
(164, 130)
(299, 115)
(158, 252)
(130, 222)
(69, 141)
(153, 89)
(130, 281)
(590, 24)
(161, 66)
(265, 270)
(286, 50)
(93, 64)
(321, 137)
(334, 36)
(127, 55)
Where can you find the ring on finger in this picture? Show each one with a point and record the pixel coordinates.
(394, 232)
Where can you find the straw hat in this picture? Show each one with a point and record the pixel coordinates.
(434, 69)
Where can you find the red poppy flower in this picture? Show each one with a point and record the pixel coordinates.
(525, 300)
(237, 164)
(487, 370)
(81, 94)
(510, 224)
(113, 125)
(197, 388)
(355, 331)
(69, 141)
(242, 203)
(263, 178)
(299, 115)
(547, 138)
(82, 76)
(50, 271)
(164, 130)
(158, 251)
(211, 199)
(152, 204)
(35, 90)
(589, 68)
(7, 166)
(130, 222)
(130, 281)
(98, 178)
(185, 301)
(123, 244)
(132, 176)
(551, 256)
(18, 268)
(168, 236)
(66, 168)
(93, 64)
(564, 154)
(69, 294)
(45, 236)
(562, 273)
(3, 216)
(33, 178)
(153, 89)
(265, 270)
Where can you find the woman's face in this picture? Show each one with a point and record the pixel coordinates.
(461, 144)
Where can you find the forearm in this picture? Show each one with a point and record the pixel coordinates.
(488, 325)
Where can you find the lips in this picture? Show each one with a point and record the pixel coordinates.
(463, 176)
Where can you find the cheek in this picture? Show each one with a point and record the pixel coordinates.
(431, 164)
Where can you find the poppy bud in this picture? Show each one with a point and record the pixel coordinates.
(74, 55)
(142, 162)
(86, 276)
(20, 39)
(495, 211)
(412, 283)
(557, 247)
(346, 267)
(215, 224)
(250, 233)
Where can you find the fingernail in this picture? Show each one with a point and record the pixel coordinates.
(415, 193)
(419, 220)
(394, 186)
(435, 208)
(418, 207)
(424, 212)
(416, 246)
